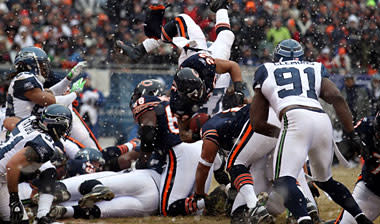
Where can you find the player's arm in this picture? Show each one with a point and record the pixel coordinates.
(11, 122)
(259, 115)
(332, 95)
(224, 66)
(125, 160)
(21, 159)
(147, 132)
(227, 66)
(40, 97)
(209, 151)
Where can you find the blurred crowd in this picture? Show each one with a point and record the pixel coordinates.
(342, 34)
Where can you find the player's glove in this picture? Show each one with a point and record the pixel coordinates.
(357, 144)
(135, 53)
(239, 87)
(78, 68)
(17, 211)
(78, 86)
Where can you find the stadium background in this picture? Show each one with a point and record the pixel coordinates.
(343, 35)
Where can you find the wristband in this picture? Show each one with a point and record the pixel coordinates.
(204, 162)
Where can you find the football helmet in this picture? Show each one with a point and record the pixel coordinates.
(90, 155)
(148, 87)
(189, 85)
(56, 120)
(33, 59)
(288, 50)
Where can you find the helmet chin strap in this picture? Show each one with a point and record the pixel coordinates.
(41, 79)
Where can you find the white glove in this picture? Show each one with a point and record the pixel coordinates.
(78, 68)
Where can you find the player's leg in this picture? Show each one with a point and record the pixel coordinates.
(249, 148)
(320, 157)
(72, 184)
(289, 158)
(82, 133)
(368, 202)
(178, 180)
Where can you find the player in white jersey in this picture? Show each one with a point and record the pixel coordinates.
(26, 95)
(110, 194)
(292, 87)
(33, 142)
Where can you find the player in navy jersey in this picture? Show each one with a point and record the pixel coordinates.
(367, 191)
(194, 83)
(292, 88)
(33, 142)
(158, 131)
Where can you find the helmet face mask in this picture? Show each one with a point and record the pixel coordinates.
(189, 85)
(288, 50)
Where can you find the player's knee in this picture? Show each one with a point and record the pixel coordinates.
(285, 184)
(92, 213)
(240, 176)
(325, 185)
(86, 186)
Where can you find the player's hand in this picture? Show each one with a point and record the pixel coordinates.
(239, 88)
(78, 86)
(17, 211)
(357, 144)
(78, 68)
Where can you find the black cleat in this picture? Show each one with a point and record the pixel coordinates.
(362, 219)
(219, 4)
(135, 53)
(98, 193)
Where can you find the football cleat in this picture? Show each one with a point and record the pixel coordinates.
(239, 215)
(98, 193)
(219, 4)
(135, 53)
(57, 212)
(362, 219)
(260, 215)
(313, 212)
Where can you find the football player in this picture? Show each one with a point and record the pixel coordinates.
(26, 95)
(184, 27)
(292, 88)
(366, 191)
(34, 141)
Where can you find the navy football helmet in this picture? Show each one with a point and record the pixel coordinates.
(56, 120)
(189, 85)
(34, 60)
(90, 155)
(148, 87)
(288, 50)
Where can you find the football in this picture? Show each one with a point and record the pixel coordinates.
(197, 121)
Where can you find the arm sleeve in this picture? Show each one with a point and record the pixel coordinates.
(60, 88)
(260, 75)
(23, 85)
(66, 100)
